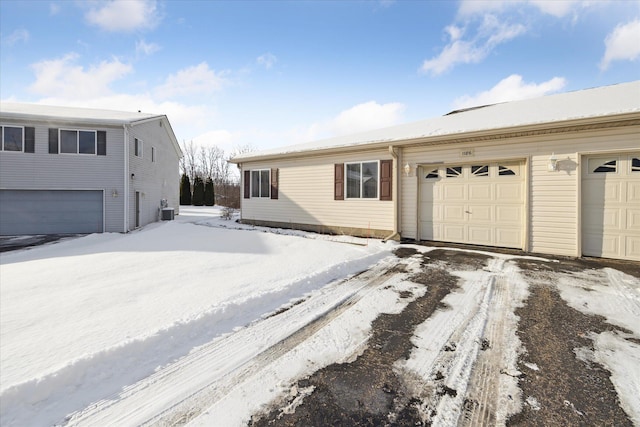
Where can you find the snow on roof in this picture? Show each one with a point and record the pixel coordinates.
(589, 103)
(83, 115)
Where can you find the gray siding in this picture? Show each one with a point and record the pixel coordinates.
(155, 180)
(44, 171)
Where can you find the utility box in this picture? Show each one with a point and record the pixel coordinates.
(167, 214)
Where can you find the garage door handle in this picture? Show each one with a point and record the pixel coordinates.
(467, 212)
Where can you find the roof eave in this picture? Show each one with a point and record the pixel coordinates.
(450, 138)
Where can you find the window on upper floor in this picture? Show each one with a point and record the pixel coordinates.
(77, 141)
(17, 139)
(138, 147)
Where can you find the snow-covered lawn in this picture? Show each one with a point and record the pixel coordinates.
(210, 322)
(83, 318)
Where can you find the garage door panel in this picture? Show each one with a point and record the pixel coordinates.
(632, 247)
(509, 237)
(633, 219)
(453, 213)
(510, 214)
(428, 193)
(509, 192)
(453, 232)
(480, 213)
(612, 192)
(481, 235)
(453, 193)
(480, 192)
(633, 192)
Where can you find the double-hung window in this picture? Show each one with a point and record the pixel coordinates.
(12, 138)
(260, 183)
(78, 141)
(138, 147)
(362, 180)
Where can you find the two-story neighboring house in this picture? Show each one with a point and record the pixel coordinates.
(75, 170)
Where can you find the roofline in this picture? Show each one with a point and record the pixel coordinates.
(91, 121)
(79, 120)
(572, 125)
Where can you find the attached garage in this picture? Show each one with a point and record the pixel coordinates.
(481, 204)
(611, 206)
(51, 212)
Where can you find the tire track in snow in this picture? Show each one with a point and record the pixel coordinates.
(466, 355)
(180, 391)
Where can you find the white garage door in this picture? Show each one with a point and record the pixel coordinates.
(611, 206)
(51, 212)
(480, 204)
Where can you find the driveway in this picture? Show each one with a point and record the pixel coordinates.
(465, 337)
(494, 340)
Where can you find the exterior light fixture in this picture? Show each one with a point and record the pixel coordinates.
(552, 166)
(407, 169)
(114, 193)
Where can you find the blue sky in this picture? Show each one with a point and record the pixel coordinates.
(273, 73)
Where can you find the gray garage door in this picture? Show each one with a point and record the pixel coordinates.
(50, 212)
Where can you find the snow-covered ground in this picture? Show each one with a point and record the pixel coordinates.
(176, 323)
(83, 318)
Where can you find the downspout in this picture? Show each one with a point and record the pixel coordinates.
(395, 195)
(126, 178)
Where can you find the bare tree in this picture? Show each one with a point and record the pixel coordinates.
(189, 162)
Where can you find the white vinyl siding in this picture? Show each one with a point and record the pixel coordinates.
(306, 196)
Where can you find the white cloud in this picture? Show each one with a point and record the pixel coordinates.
(124, 15)
(62, 77)
(490, 33)
(54, 8)
(198, 79)
(19, 35)
(220, 138)
(511, 88)
(267, 60)
(623, 43)
(144, 48)
(359, 118)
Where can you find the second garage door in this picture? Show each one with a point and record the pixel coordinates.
(611, 206)
(480, 204)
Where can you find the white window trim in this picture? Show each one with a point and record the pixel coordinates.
(2, 138)
(77, 131)
(268, 196)
(361, 182)
(138, 152)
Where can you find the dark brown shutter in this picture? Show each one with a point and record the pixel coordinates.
(338, 182)
(386, 179)
(274, 184)
(53, 141)
(247, 184)
(102, 143)
(29, 140)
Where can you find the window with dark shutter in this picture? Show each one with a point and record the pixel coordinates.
(29, 140)
(386, 179)
(274, 184)
(338, 182)
(247, 184)
(102, 143)
(53, 141)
